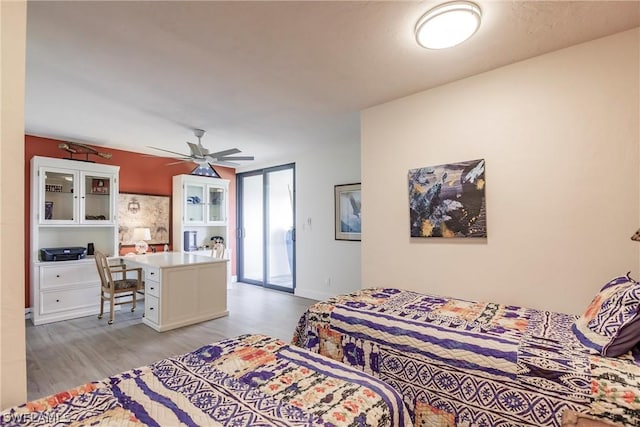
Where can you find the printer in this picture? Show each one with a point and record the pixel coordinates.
(63, 254)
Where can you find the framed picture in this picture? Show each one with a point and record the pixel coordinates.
(143, 210)
(348, 218)
(100, 186)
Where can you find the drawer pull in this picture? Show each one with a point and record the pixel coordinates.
(57, 300)
(150, 308)
(152, 288)
(152, 273)
(57, 275)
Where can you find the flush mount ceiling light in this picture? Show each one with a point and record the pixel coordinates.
(448, 25)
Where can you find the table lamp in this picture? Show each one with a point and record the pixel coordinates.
(139, 236)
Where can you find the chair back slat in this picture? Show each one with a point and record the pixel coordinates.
(103, 270)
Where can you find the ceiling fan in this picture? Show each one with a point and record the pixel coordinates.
(202, 156)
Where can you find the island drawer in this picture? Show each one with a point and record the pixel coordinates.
(152, 273)
(151, 308)
(151, 287)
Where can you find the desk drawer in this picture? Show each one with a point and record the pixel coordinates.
(151, 287)
(69, 299)
(152, 273)
(151, 308)
(58, 275)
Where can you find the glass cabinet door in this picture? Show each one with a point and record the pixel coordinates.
(59, 197)
(195, 203)
(216, 204)
(97, 198)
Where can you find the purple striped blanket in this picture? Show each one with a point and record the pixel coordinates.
(252, 381)
(467, 363)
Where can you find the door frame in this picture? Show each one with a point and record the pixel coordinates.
(265, 221)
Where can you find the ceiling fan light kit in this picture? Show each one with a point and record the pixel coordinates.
(448, 25)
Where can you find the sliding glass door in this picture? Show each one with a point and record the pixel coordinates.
(266, 233)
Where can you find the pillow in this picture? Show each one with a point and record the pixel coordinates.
(610, 326)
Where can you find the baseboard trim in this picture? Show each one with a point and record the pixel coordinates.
(315, 295)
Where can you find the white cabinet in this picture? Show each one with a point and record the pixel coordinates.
(181, 289)
(68, 196)
(204, 199)
(64, 290)
(73, 203)
(200, 208)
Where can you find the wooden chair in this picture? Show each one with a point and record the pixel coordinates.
(111, 290)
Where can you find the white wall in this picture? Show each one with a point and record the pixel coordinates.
(13, 373)
(560, 136)
(324, 266)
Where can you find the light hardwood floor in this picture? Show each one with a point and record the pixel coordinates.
(66, 354)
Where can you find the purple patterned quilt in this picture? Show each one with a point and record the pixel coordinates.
(251, 381)
(466, 363)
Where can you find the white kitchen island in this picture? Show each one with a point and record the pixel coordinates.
(181, 288)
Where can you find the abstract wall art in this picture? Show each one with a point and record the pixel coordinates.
(448, 200)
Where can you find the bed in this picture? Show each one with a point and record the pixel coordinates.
(467, 363)
(251, 380)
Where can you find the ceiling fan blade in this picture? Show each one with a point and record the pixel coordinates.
(196, 150)
(223, 153)
(225, 158)
(223, 163)
(168, 151)
(178, 162)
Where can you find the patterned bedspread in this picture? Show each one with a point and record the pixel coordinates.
(466, 363)
(252, 380)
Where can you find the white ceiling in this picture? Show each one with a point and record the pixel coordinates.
(271, 78)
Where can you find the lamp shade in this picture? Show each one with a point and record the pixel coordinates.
(141, 234)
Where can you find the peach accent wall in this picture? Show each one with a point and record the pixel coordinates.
(13, 361)
(139, 173)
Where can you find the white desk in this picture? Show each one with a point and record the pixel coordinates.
(181, 288)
